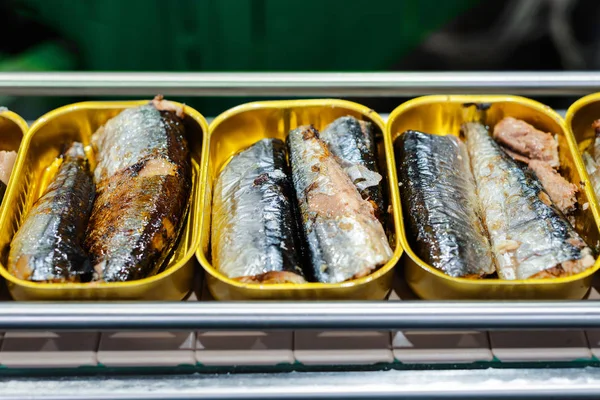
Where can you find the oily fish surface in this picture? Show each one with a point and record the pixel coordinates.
(442, 209)
(255, 234)
(312, 220)
(48, 245)
(142, 184)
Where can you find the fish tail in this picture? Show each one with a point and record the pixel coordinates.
(75, 151)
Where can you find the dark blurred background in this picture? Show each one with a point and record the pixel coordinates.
(308, 35)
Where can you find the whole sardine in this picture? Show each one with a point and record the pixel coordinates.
(440, 204)
(345, 239)
(48, 245)
(353, 144)
(143, 178)
(254, 224)
(530, 237)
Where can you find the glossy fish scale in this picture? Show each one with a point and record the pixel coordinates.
(529, 236)
(48, 245)
(438, 192)
(254, 225)
(133, 135)
(144, 180)
(345, 239)
(353, 144)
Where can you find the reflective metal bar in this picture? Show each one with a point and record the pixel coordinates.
(388, 84)
(434, 384)
(299, 315)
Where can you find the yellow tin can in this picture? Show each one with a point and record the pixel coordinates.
(443, 115)
(242, 126)
(579, 120)
(40, 147)
(12, 130)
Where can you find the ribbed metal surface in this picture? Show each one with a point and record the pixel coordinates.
(435, 384)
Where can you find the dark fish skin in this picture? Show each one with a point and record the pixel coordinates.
(255, 231)
(353, 144)
(440, 205)
(48, 245)
(344, 238)
(143, 180)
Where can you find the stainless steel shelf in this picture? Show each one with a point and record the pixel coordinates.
(393, 315)
(433, 384)
(388, 84)
(299, 315)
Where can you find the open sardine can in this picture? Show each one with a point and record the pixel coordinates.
(444, 115)
(579, 119)
(242, 126)
(32, 174)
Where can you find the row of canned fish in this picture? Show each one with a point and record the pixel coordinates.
(487, 195)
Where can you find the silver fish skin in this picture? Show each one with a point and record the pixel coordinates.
(136, 134)
(345, 239)
(530, 237)
(352, 142)
(48, 245)
(255, 229)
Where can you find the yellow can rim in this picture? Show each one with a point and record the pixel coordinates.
(492, 99)
(99, 285)
(279, 104)
(16, 119)
(571, 112)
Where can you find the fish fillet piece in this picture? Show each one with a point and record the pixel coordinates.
(530, 237)
(255, 229)
(7, 162)
(562, 192)
(440, 204)
(352, 142)
(540, 152)
(143, 178)
(48, 245)
(345, 238)
(524, 140)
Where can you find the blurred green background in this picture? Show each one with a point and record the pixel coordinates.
(215, 35)
(292, 35)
